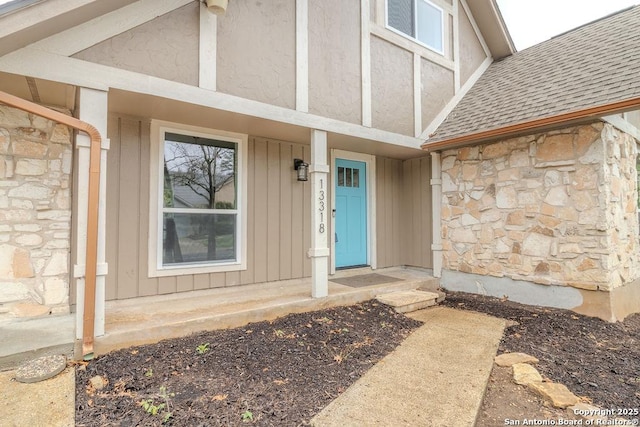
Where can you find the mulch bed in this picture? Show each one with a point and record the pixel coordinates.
(277, 373)
(284, 372)
(593, 358)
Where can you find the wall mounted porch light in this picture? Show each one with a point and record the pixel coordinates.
(219, 7)
(302, 168)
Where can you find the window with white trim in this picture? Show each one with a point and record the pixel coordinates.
(200, 210)
(420, 20)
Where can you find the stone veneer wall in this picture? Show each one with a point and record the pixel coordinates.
(556, 208)
(35, 215)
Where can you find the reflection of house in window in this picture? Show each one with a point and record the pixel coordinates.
(199, 206)
(185, 197)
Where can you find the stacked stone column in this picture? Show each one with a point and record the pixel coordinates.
(35, 215)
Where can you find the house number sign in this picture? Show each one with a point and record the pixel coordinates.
(321, 227)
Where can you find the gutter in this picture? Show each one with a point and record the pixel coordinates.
(92, 214)
(591, 112)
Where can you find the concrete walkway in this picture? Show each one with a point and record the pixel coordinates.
(436, 377)
(49, 403)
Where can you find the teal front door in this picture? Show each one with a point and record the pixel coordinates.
(351, 213)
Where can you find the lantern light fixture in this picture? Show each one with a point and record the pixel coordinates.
(302, 168)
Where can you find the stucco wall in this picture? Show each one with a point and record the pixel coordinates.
(557, 208)
(257, 52)
(391, 87)
(471, 52)
(334, 60)
(166, 47)
(35, 215)
(437, 90)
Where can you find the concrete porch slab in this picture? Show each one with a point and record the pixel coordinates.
(151, 319)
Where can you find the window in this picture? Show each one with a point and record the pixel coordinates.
(418, 19)
(199, 204)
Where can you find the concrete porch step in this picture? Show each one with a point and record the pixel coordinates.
(408, 301)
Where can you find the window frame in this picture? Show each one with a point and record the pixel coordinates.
(415, 23)
(156, 201)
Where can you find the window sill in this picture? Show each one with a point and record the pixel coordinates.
(197, 269)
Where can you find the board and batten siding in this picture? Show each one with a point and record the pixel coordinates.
(278, 211)
(403, 212)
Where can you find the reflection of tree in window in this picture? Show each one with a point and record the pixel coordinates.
(199, 181)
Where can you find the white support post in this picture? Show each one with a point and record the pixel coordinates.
(436, 202)
(93, 109)
(319, 251)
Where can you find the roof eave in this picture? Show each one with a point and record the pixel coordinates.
(493, 28)
(29, 21)
(533, 125)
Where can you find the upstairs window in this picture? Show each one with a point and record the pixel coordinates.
(419, 19)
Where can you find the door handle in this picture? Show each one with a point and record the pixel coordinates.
(336, 237)
(333, 213)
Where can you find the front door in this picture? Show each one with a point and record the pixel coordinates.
(350, 213)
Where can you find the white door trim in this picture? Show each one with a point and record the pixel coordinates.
(370, 161)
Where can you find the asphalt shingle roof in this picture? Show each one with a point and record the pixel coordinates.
(593, 65)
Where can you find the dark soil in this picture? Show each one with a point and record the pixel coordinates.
(593, 358)
(284, 372)
(277, 373)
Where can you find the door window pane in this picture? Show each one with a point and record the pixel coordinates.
(340, 176)
(356, 178)
(348, 173)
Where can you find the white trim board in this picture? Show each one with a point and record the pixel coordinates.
(154, 252)
(476, 29)
(455, 100)
(302, 55)
(207, 69)
(104, 27)
(365, 61)
(73, 71)
(370, 161)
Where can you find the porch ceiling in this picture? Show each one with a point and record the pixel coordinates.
(39, 91)
(148, 106)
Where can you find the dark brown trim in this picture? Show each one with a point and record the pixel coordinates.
(601, 110)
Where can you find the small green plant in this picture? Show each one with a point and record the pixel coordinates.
(160, 409)
(279, 333)
(202, 348)
(151, 408)
(148, 372)
(247, 415)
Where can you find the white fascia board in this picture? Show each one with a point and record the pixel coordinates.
(35, 63)
(456, 99)
(37, 13)
(476, 29)
(104, 27)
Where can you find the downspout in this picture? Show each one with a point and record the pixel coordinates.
(436, 202)
(92, 214)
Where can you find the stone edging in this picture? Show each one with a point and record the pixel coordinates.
(525, 374)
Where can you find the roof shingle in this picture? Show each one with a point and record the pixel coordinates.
(596, 64)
